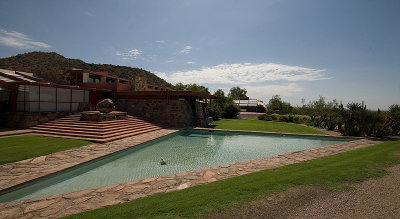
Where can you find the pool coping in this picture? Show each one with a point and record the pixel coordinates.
(280, 133)
(16, 174)
(93, 198)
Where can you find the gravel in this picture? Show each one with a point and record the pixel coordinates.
(374, 198)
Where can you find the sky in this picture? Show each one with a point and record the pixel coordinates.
(347, 50)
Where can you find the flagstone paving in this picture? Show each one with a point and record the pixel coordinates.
(12, 174)
(79, 201)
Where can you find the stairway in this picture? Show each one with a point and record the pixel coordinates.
(72, 127)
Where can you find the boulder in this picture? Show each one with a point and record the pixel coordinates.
(105, 106)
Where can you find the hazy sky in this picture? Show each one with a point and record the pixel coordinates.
(343, 49)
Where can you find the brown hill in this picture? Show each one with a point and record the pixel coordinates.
(52, 66)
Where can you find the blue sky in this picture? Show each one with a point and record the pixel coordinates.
(348, 50)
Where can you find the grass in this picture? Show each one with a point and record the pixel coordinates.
(265, 126)
(27, 146)
(328, 172)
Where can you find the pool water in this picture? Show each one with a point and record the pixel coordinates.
(182, 151)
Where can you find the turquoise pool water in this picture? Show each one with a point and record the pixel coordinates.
(182, 151)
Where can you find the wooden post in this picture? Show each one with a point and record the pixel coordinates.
(39, 99)
(56, 100)
(24, 97)
(70, 101)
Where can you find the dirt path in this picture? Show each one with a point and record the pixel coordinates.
(374, 198)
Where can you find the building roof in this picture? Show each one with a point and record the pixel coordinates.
(11, 79)
(98, 73)
(164, 94)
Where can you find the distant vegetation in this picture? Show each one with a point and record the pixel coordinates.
(190, 87)
(52, 66)
(354, 119)
(223, 106)
(237, 93)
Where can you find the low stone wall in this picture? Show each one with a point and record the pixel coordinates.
(175, 113)
(26, 120)
(97, 116)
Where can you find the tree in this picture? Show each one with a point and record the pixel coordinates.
(231, 110)
(221, 100)
(236, 93)
(223, 106)
(190, 87)
(276, 104)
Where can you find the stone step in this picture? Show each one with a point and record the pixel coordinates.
(101, 123)
(95, 125)
(96, 136)
(99, 131)
(71, 127)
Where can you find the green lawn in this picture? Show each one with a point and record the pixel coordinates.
(265, 126)
(27, 146)
(329, 172)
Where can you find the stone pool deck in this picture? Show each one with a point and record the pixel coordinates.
(70, 203)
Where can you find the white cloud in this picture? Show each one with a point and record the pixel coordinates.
(266, 92)
(19, 40)
(185, 50)
(190, 63)
(245, 74)
(88, 13)
(130, 55)
(160, 43)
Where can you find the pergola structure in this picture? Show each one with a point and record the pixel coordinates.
(20, 91)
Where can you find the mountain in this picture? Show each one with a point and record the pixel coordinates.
(52, 66)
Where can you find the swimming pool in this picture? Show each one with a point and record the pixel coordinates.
(182, 151)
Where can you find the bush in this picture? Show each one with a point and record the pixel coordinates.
(260, 109)
(296, 119)
(291, 118)
(305, 119)
(283, 118)
(265, 117)
(215, 112)
(274, 117)
(231, 110)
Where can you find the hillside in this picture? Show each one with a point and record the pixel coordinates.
(52, 66)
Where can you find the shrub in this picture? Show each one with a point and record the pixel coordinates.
(274, 117)
(260, 109)
(290, 118)
(265, 117)
(305, 119)
(231, 110)
(215, 112)
(296, 119)
(283, 118)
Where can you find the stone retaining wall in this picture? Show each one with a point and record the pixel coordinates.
(174, 112)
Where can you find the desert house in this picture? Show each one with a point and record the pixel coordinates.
(27, 100)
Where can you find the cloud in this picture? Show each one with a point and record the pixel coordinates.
(160, 43)
(245, 74)
(265, 92)
(190, 63)
(185, 50)
(88, 13)
(20, 40)
(130, 55)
